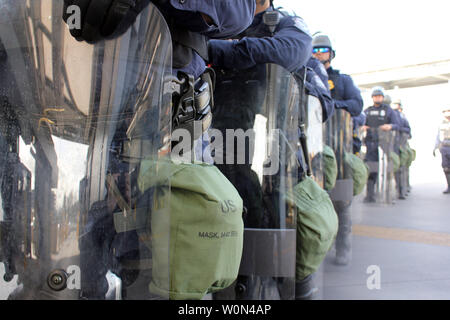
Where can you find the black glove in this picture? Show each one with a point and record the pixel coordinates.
(103, 19)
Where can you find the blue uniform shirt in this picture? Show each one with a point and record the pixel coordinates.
(375, 117)
(403, 125)
(344, 92)
(390, 117)
(290, 46)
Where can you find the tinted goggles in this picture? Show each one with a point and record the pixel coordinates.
(321, 50)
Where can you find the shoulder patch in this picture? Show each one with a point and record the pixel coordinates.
(331, 84)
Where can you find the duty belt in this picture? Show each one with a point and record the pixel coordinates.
(193, 104)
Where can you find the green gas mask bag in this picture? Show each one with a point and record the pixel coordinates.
(359, 172)
(395, 160)
(330, 170)
(195, 228)
(317, 225)
(404, 156)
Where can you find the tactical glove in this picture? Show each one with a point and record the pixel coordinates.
(101, 19)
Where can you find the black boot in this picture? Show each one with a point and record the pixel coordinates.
(399, 185)
(344, 235)
(305, 289)
(370, 197)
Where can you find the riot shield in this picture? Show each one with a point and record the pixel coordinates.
(380, 167)
(256, 112)
(385, 186)
(315, 138)
(401, 181)
(310, 153)
(338, 134)
(77, 120)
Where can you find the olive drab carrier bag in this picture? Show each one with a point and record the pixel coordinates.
(358, 170)
(317, 225)
(317, 221)
(330, 168)
(205, 228)
(395, 160)
(411, 155)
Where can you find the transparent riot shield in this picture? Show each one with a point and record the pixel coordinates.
(257, 115)
(385, 185)
(381, 177)
(315, 138)
(401, 181)
(338, 134)
(77, 121)
(310, 131)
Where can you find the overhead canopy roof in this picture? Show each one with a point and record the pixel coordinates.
(417, 75)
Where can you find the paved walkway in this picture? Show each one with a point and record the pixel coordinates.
(400, 251)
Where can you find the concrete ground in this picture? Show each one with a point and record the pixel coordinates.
(400, 251)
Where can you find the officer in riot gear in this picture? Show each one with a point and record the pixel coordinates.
(244, 78)
(77, 120)
(338, 134)
(78, 138)
(401, 141)
(345, 94)
(443, 144)
(108, 19)
(191, 24)
(380, 121)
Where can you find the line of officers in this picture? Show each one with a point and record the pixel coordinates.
(269, 35)
(225, 43)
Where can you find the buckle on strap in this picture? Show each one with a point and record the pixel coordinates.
(193, 103)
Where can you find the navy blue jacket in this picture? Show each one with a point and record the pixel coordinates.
(403, 125)
(290, 46)
(390, 117)
(344, 92)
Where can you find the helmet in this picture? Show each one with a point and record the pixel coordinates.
(397, 104)
(387, 99)
(397, 101)
(378, 91)
(323, 41)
